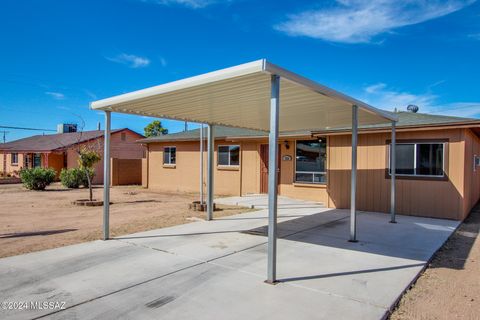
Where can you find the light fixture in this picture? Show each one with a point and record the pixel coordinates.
(287, 145)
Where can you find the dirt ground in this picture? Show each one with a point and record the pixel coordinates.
(450, 287)
(38, 220)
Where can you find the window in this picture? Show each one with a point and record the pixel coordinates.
(419, 159)
(229, 155)
(37, 160)
(169, 155)
(310, 161)
(14, 158)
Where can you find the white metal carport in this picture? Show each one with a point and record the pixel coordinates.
(257, 95)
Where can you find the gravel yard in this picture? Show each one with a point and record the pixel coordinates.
(38, 220)
(450, 287)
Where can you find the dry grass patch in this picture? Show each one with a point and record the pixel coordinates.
(38, 220)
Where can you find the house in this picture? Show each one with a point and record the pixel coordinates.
(59, 150)
(437, 157)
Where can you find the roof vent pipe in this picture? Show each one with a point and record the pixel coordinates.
(412, 108)
(99, 126)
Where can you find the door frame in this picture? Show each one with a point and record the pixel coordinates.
(264, 150)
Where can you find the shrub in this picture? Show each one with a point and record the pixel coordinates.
(37, 178)
(74, 177)
(71, 178)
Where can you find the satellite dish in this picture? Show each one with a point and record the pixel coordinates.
(412, 108)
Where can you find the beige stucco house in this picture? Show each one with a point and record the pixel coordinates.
(438, 165)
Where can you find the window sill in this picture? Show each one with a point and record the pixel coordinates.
(413, 177)
(14, 164)
(322, 185)
(170, 166)
(228, 168)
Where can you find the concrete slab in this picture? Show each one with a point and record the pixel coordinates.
(209, 270)
(78, 273)
(211, 292)
(207, 240)
(260, 201)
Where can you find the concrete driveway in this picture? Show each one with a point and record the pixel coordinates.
(216, 269)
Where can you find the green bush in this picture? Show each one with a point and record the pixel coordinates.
(37, 178)
(71, 178)
(74, 177)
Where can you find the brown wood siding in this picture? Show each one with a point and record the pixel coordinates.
(441, 199)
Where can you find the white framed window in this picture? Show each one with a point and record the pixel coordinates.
(14, 158)
(310, 161)
(229, 155)
(419, 159)
(169, 155)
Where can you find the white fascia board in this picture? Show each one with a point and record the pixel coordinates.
(293, 77)
(206, 78)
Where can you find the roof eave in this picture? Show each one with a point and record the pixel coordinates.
(463, 124)
(261, 65)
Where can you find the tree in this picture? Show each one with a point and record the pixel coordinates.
(87, 158)
(154, 129)
(88, 153)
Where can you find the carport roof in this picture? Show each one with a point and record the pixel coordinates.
(240, 97)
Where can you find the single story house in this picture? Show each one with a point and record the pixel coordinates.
(59, 150)
(437, 158)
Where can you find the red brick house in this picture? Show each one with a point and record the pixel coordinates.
(59, 150)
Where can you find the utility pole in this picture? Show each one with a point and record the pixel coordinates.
(4, 154)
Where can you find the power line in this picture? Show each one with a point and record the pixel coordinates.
(22, 128)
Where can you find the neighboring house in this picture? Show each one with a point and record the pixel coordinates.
(59, 150)
(438, 165)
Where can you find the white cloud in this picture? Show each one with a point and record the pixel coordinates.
(130, 60)
(163, 62)
(90, 94)
(359, 21)
(55, 95)
(475, 36)
(380, 96)
(193, 4)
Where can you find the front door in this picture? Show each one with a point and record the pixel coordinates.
(37, 160)
(264, 167)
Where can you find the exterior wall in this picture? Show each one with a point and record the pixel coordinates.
(128, 149)
(433, 198)
(288, 187)
(450, 198)
(245, 179)
(55, 161)
(145, 172)
(9, 167)
(472, 174)
(126, 171)
(184, 176)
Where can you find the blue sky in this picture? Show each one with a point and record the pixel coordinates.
(57, 56)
